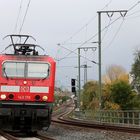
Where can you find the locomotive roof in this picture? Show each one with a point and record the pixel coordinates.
(4, 57)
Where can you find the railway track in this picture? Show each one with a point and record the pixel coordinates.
(43, 137)
(63, 118)
(9, 136)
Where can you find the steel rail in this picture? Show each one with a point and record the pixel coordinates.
(98, 125)
(43, 137)
(7, 136)
(63, 118)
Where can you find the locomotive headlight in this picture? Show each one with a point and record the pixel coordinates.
(44, 98)
(3, 96)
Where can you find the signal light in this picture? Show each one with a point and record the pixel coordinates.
(73, 88)
(73, 82)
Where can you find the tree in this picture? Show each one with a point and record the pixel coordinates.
(90, 96)
(106, 94)
(135, 72)
(135, 101)
(115, 72)
(111, 106)
(121, 94)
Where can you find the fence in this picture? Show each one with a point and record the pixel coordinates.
(127, 118)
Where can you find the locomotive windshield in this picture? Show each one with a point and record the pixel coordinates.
(25, 69)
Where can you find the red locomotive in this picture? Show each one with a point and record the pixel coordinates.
(26, 87)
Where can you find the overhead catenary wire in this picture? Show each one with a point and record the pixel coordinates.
(27, 8)
(72, 57)
(97, 33)
(18, 16)
(76, 54)
(133, 17)
(138, 11)
(106, 30)
(119, 28)
(101, 30)
(85, 25)
(65, 66)
(70, 52)
(138, 2)
(86, 40)
(133, 6)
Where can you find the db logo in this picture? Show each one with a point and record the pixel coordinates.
(24, 89)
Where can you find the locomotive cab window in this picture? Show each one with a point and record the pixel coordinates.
(38, 70)
(26, 69)
(14, 69)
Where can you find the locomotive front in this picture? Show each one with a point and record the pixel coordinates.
(26, 88)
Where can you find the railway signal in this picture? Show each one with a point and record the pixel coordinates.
(73, 85)
(73, 90)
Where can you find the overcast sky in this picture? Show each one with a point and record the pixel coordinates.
(70, 23)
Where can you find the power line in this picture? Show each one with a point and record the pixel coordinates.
(19, 11)
(133, 13)
(24, 16)
(120, 26)
(106, 30)
(86, 40)
(133, 17)
(133, 6)
(76, 54)
(108, 25)
(70, 52)
(97, 33)
(78, 31)
(114, 35)
(72, 57)
(101, 31)
(65, 66)
(82, 29)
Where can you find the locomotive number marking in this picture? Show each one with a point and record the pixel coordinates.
(22, 97)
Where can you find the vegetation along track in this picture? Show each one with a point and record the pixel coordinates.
(64, 118)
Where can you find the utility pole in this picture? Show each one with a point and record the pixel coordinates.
(79, 79)
(85, 66)
(85, 73)
(110, 14)
(79, 72)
